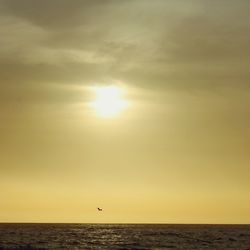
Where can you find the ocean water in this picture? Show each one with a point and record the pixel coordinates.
(123, 236)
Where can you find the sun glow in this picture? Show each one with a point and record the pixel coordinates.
(109, 101)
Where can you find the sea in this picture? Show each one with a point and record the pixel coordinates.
(123, 236)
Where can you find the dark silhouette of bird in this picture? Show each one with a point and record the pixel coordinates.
(99, 209)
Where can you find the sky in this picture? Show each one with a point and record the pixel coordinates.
(178, 153)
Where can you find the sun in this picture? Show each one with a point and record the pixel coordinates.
(109, 101)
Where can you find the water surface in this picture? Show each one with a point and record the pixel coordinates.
(123, 236)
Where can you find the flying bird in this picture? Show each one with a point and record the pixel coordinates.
(99, 209)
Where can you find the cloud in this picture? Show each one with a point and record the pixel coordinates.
(165, 44)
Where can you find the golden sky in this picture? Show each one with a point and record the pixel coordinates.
(179, 152)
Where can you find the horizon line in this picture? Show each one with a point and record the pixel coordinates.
(126, 223)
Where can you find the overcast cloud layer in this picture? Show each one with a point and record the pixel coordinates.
(159, 43)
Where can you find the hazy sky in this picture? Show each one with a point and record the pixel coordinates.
(179, 153)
